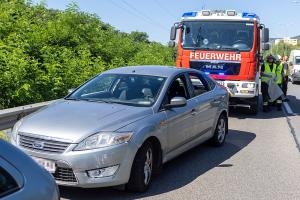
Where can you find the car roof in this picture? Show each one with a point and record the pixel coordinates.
(152, 70)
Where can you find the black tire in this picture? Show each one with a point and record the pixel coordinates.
(254, 106)
(218, 140)
(138, 181)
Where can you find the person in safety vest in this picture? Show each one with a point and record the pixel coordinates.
(268, 72)
(279, 78)
(286, 74)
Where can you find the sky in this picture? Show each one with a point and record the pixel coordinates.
(155, 17)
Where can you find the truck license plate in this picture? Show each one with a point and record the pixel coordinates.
(47, 164)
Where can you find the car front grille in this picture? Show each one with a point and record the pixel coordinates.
(65, 175)
(42, 145)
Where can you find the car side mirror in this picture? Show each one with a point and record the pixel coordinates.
(176, 102)
(71, 90)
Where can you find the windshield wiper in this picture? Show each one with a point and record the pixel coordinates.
(200, 48)
(97, 100)
(72, 99)
(230, 48)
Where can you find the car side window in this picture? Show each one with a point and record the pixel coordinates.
(199, 84)
(178, 88)
(210, 82)
(8, 184)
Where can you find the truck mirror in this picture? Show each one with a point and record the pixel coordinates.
(171, 44)
(265, 46)
(173, 33)
(265, 35)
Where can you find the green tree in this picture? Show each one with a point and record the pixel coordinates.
(44, 52)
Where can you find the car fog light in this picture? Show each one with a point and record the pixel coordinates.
(103, 172)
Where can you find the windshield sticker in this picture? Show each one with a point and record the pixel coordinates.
(205, 41)
(249, 24)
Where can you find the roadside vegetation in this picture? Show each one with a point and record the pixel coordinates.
(282, 49)
(44, 52)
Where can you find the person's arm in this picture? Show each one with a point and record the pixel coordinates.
(262, 70)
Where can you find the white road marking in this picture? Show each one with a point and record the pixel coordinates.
(288, 108)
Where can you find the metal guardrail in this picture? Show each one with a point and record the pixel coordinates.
(8, 117)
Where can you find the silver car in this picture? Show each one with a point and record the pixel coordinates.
(120, 127)
(22, 178)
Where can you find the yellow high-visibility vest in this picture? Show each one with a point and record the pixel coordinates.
(279, 73)
(268, 72)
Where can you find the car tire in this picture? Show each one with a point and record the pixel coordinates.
(141, 171)
(221, 131)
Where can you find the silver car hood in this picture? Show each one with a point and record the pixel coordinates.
(75, 120)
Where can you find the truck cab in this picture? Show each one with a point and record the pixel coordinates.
(294, 60)
(227, 46)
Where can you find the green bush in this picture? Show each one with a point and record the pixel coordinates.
(44, 52)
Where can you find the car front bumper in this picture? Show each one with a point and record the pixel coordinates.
(72, 166)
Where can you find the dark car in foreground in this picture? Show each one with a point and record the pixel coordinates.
(120, 127)
(21, 178)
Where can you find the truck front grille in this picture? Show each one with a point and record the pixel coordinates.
(220, 68)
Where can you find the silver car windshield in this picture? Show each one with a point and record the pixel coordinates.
(218, 35)
(135, 90)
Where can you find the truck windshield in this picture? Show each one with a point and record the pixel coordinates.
(218, 35)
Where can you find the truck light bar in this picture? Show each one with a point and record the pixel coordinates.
(190, 14)
(249, 15)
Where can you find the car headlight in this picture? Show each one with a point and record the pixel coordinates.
(103, 139)
(15, 130)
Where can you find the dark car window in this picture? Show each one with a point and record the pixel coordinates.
(8, 184)
(210, 82)
(199, 84)
(178, 88)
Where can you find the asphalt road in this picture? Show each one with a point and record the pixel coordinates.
(260, 160)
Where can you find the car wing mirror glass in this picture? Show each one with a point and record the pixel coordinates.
(176, 102)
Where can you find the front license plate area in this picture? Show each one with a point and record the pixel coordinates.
(47, 164)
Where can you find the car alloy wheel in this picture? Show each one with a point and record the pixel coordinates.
(148, 166)
(221, 130)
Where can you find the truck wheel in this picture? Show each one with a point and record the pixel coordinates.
(141, 171)
(254, 106)
(220, 132)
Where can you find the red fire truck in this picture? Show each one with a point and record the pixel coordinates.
(227, 46)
